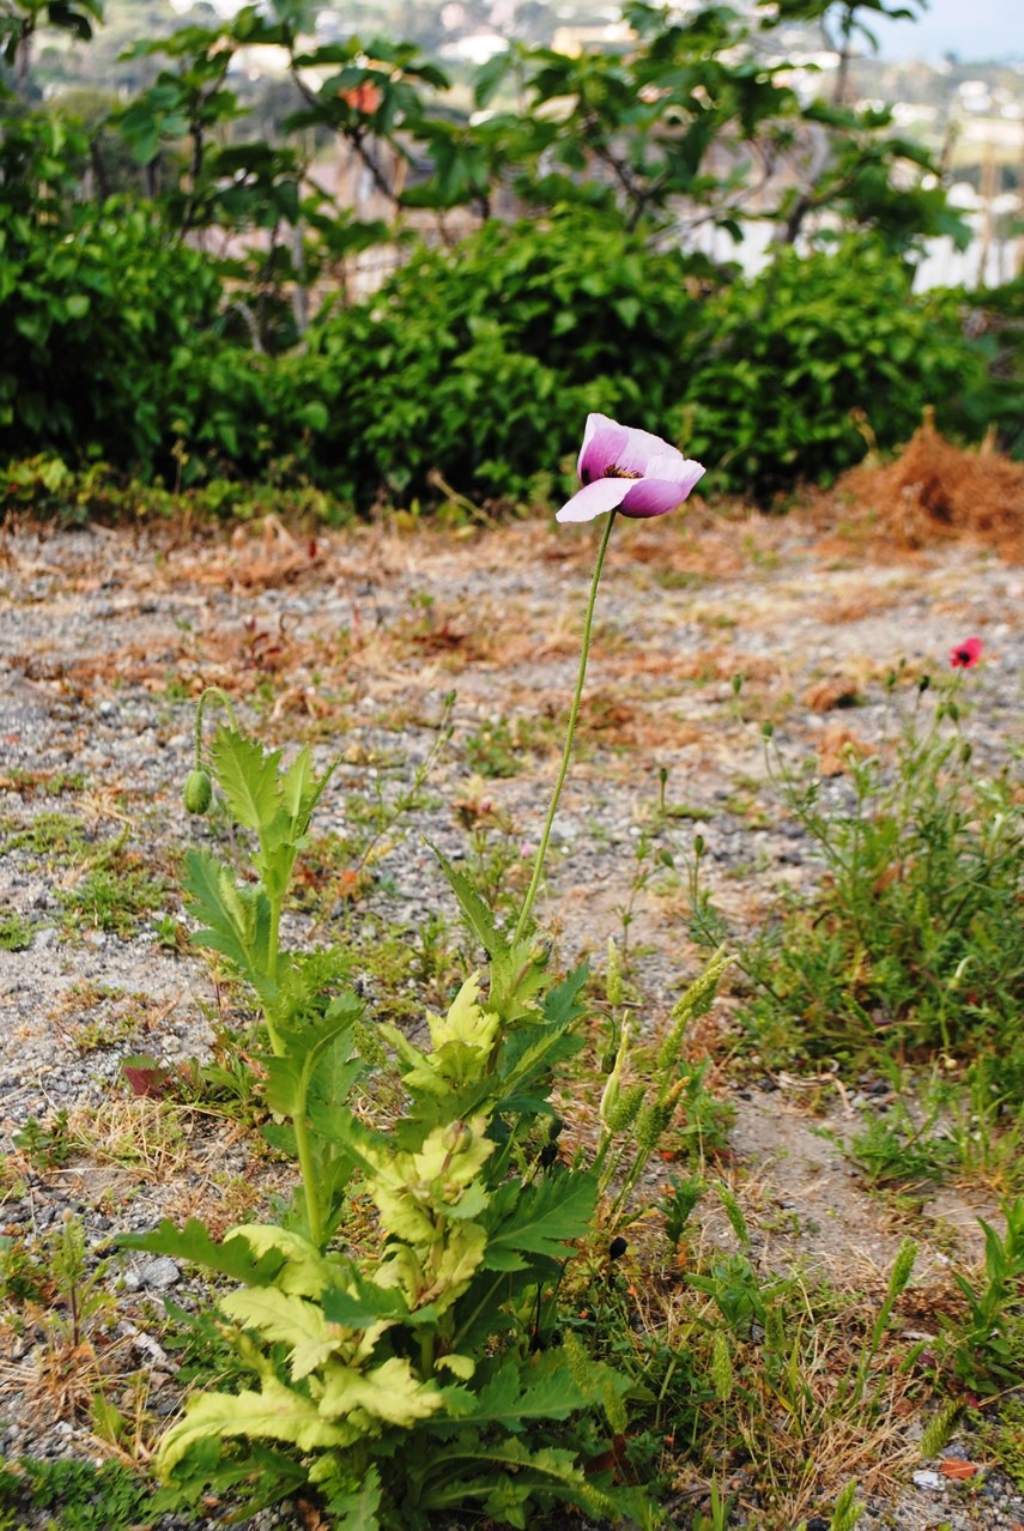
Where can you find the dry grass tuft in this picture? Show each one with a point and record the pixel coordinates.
(933, 492)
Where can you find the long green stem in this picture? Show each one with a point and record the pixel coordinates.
(570, 736)
(214, 694)
(304, 1148)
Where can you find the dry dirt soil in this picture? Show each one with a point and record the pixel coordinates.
(352, 640)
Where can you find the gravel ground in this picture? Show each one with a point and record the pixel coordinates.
(353, 642)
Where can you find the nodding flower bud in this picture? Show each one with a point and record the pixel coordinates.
(198, 792)
(617, 1248)
(767, 730)
(924, 683)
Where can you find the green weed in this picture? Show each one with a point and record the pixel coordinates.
(76, 1496)
(16, 933)
(115, 897)
(913, 943)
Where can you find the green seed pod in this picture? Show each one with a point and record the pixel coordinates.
(198, 792)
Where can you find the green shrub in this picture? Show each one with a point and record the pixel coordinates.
(98, 318)
(472, 367)
(483, 362)
(818, 354)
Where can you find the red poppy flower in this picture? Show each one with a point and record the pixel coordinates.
(964, 656)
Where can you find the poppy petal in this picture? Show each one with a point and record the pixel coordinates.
(657, 496)
(596, 499)
(603, 443)
(642, 451)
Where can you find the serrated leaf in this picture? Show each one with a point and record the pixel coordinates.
(233, 921)
(475, 912)
(390, 1392)
(233, 1257)
(540, 1220)
(516, 978)
(327, 1045)
(356, 1510)
(365, 1304)
(285, 1320)
(302, 1270)
(560, 1006)
(301, 791)
(247, 775)
(517, 1394)
(275, 1413)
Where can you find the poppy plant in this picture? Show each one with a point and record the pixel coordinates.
(964, 656)
(622, 468)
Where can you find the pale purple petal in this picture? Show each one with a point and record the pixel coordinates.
(657, 496)
(603, 443)
(596, 499)
(642, 450)
(677, 469)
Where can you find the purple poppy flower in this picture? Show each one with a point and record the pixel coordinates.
(625, 469)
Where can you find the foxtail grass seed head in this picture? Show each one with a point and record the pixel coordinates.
(624, 1113)
(655, 1119)
(722, 1376)
(902, 1267)
(695, 1002)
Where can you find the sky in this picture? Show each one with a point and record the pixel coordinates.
(974, 29)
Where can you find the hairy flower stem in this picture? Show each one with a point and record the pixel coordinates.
(211, 694)
(570, 736)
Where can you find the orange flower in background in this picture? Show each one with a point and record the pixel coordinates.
(365, 97)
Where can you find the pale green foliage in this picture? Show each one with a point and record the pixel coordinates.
(431, 1351)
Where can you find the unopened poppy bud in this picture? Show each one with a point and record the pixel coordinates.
(198, 792)
(699, 847)
(924, 683)
(737, 684)
(767, 730)
(548, 1155)
(966, 751)
(617, 1248)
